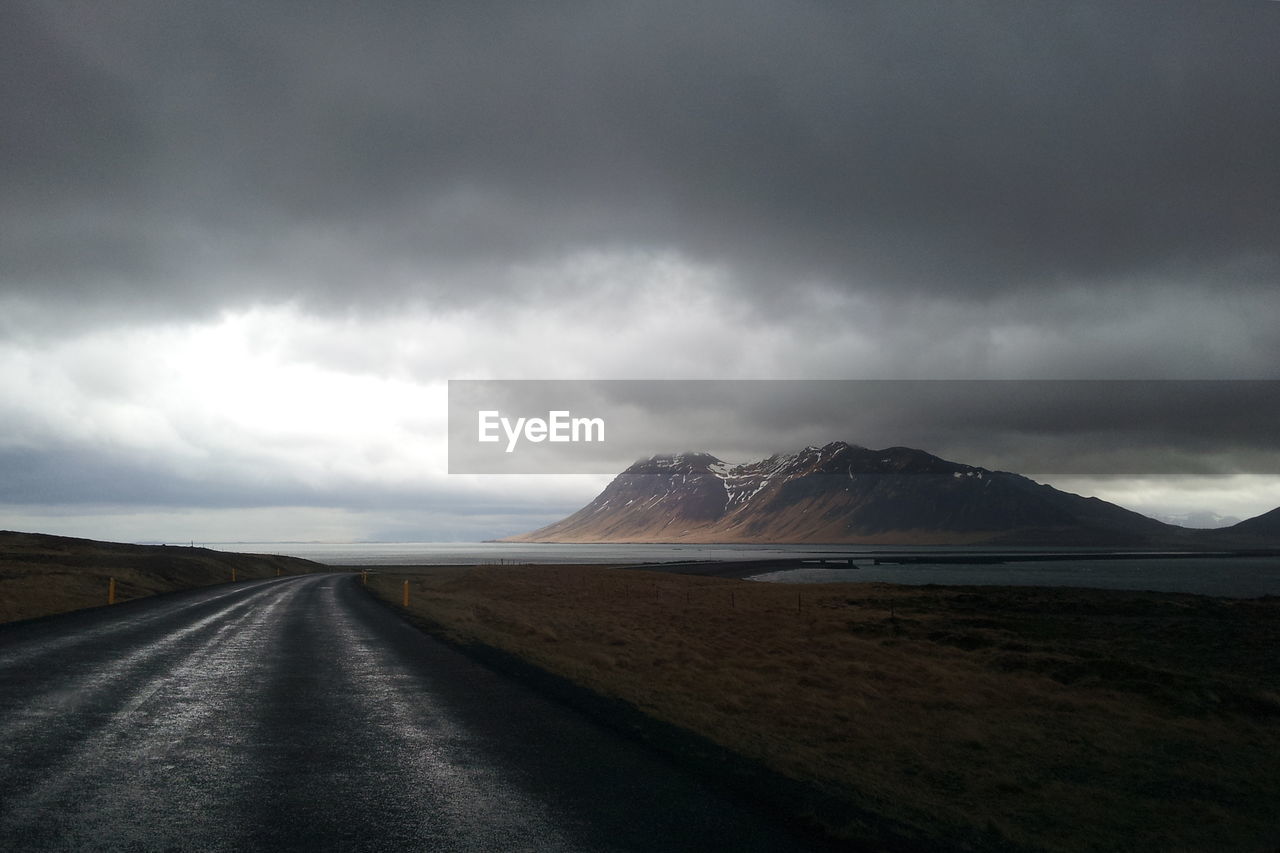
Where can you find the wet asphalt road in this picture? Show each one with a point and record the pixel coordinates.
(299, 714)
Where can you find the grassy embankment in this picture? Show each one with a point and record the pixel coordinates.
(41, 575)
(981, 717)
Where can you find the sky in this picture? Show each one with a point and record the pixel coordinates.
(245, 245)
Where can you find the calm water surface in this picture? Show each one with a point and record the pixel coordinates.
(1234, 576)
(485, 553)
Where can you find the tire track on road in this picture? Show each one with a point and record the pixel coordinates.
(149, 725)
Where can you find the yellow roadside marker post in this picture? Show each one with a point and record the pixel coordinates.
(406, 594)
(233, 574)
(364, 578)
(111, 591)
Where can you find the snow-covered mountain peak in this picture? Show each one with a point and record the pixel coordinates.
(675, 461)
(840, 492)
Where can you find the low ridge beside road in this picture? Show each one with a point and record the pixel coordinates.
(42, 574)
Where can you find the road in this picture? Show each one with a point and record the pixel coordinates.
(299, 714)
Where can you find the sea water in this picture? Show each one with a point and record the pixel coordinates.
(1243, 577)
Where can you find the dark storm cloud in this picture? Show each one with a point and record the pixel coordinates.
(185, 154)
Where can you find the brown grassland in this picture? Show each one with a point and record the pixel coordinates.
(955, 717)
(41, 575)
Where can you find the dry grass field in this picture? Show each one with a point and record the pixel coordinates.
(957, 717)
(42, 575)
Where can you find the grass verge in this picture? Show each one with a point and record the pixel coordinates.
(41, 575)
(921, 717)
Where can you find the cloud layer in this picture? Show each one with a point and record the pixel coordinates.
(243, 245)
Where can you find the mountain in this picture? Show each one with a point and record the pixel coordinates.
(844, 493)
(1198, 519)
(1263, 528)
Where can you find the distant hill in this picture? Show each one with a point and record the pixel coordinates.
(1265, 528)
(42, 574)
(843, 493)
